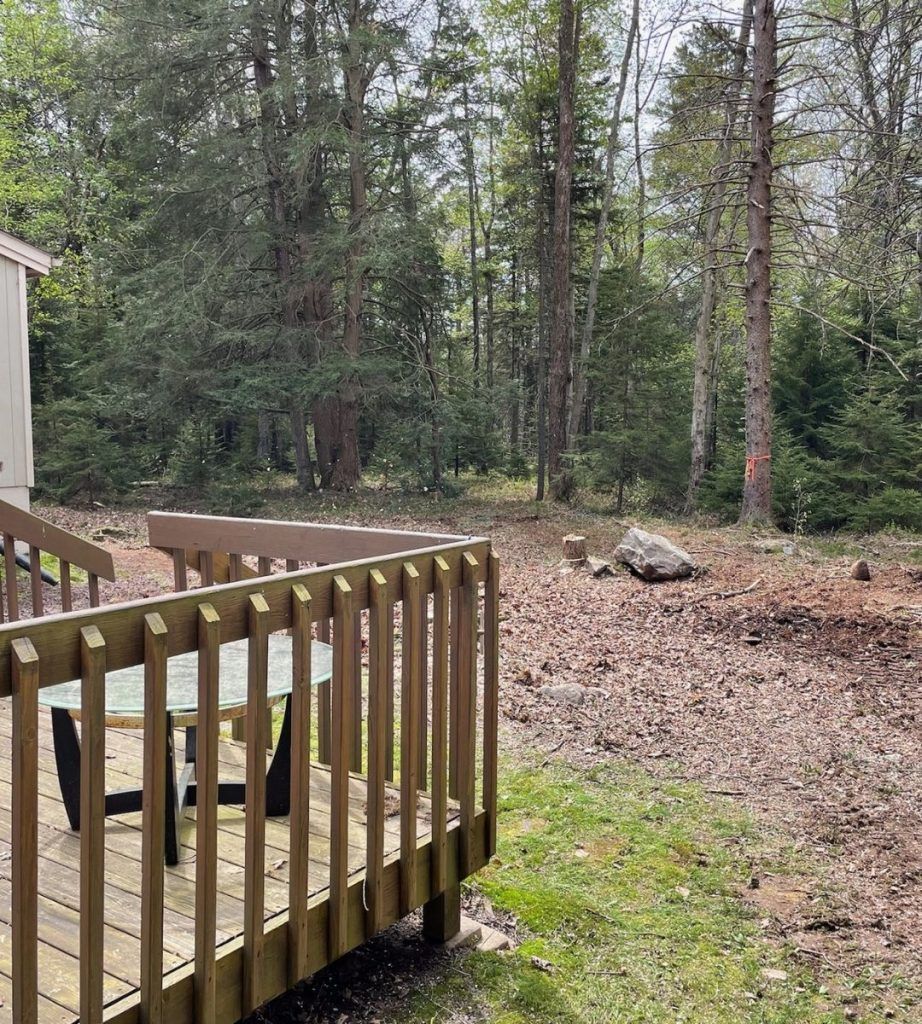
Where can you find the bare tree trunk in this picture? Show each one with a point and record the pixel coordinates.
(757, 484)
(561, 326)
(347, 469)
(707, 350)
(608, 194)
(472, 231)
(541, 371)
(638, 162)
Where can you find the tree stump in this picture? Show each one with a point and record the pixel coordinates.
(574, 549)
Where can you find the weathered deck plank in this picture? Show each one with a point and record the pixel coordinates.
(59, 858)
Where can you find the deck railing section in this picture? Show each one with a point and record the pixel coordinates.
(430, 754)
(17, 525)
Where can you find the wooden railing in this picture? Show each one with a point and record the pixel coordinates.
(40, 535)
(427, 743)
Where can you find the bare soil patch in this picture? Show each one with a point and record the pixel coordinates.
(800, 698)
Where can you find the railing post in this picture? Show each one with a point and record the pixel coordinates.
(439, 787)
(24, 829)
(299, 835)
(153, 814)
(377, 760)
(12, 584)
(409, 736)
(467, 707)
(92, 821)
(255, 841)
(206, 813)
(491, 698)
(343, 655)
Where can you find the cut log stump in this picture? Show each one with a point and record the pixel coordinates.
(574, 549)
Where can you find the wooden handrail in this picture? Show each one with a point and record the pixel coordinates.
(224, 982)
(306, 542)
(37, 532)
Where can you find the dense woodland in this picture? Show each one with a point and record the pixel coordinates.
(667, 250)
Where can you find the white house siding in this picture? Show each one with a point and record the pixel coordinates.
(16, 474)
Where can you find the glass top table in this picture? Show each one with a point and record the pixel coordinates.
(125, 686)
(124, 707)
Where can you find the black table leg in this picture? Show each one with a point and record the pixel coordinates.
(181, 790)
(67, 760)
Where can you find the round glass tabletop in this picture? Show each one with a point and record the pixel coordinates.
(125, 687)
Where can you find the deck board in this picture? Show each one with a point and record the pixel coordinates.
(58, 872)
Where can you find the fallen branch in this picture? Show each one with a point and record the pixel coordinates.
(724, 594)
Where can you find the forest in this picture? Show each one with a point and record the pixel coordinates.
(667, 251)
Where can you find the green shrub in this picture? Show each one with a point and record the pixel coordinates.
(893, 506)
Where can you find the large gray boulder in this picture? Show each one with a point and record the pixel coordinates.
(653, 557)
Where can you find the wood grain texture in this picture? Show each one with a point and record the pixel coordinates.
(37, 532)
(206, 814)
(299, 819)
(152, 818)
(56, 637)
(467, 705)
(343, 655)
(24, 828)
(255, 860)
(92, 823)
(491, 697)
(377, 738)
(409, 734)
(439, 784)
(67, 598)
(35, 580)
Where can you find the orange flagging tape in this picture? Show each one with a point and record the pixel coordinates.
(751, 461)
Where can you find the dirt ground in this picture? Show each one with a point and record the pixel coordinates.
(799, 698)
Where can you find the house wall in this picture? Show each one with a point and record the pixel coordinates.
(16, 472)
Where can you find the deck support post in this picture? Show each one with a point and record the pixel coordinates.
(442, 915)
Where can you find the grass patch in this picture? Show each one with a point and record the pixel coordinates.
(628, 887)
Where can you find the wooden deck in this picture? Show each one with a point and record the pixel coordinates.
(59, 879)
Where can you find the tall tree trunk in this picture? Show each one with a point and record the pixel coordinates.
(279, 206)
(707, 351)
(347, 469)
(757, 484)
(561, 326)
(541, 368)
(601, 231)
(638, 163)
(472, 230)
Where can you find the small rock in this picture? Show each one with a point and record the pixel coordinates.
(565, 693)
(654, 557)
(599, 567)
(774, 974)
(861, 571)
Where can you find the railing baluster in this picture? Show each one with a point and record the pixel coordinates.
(439, 786)
(454, 656)
(265, 565)
(324, 709)
(299, 835)
(292, 565)
(377, 761)
(389, 713)
(343, 656)
(206, 813)
(355, 761)
(67, 597)
(206, 568)
(35, 580)
(24, 827)
(255, 851)
(491, 698)
(180, 574)
(409, 735)
(12, 582)
(235, 567)
(467, 707)
(422, 724)
(153, 813)
(93, 585)
(92, 821)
